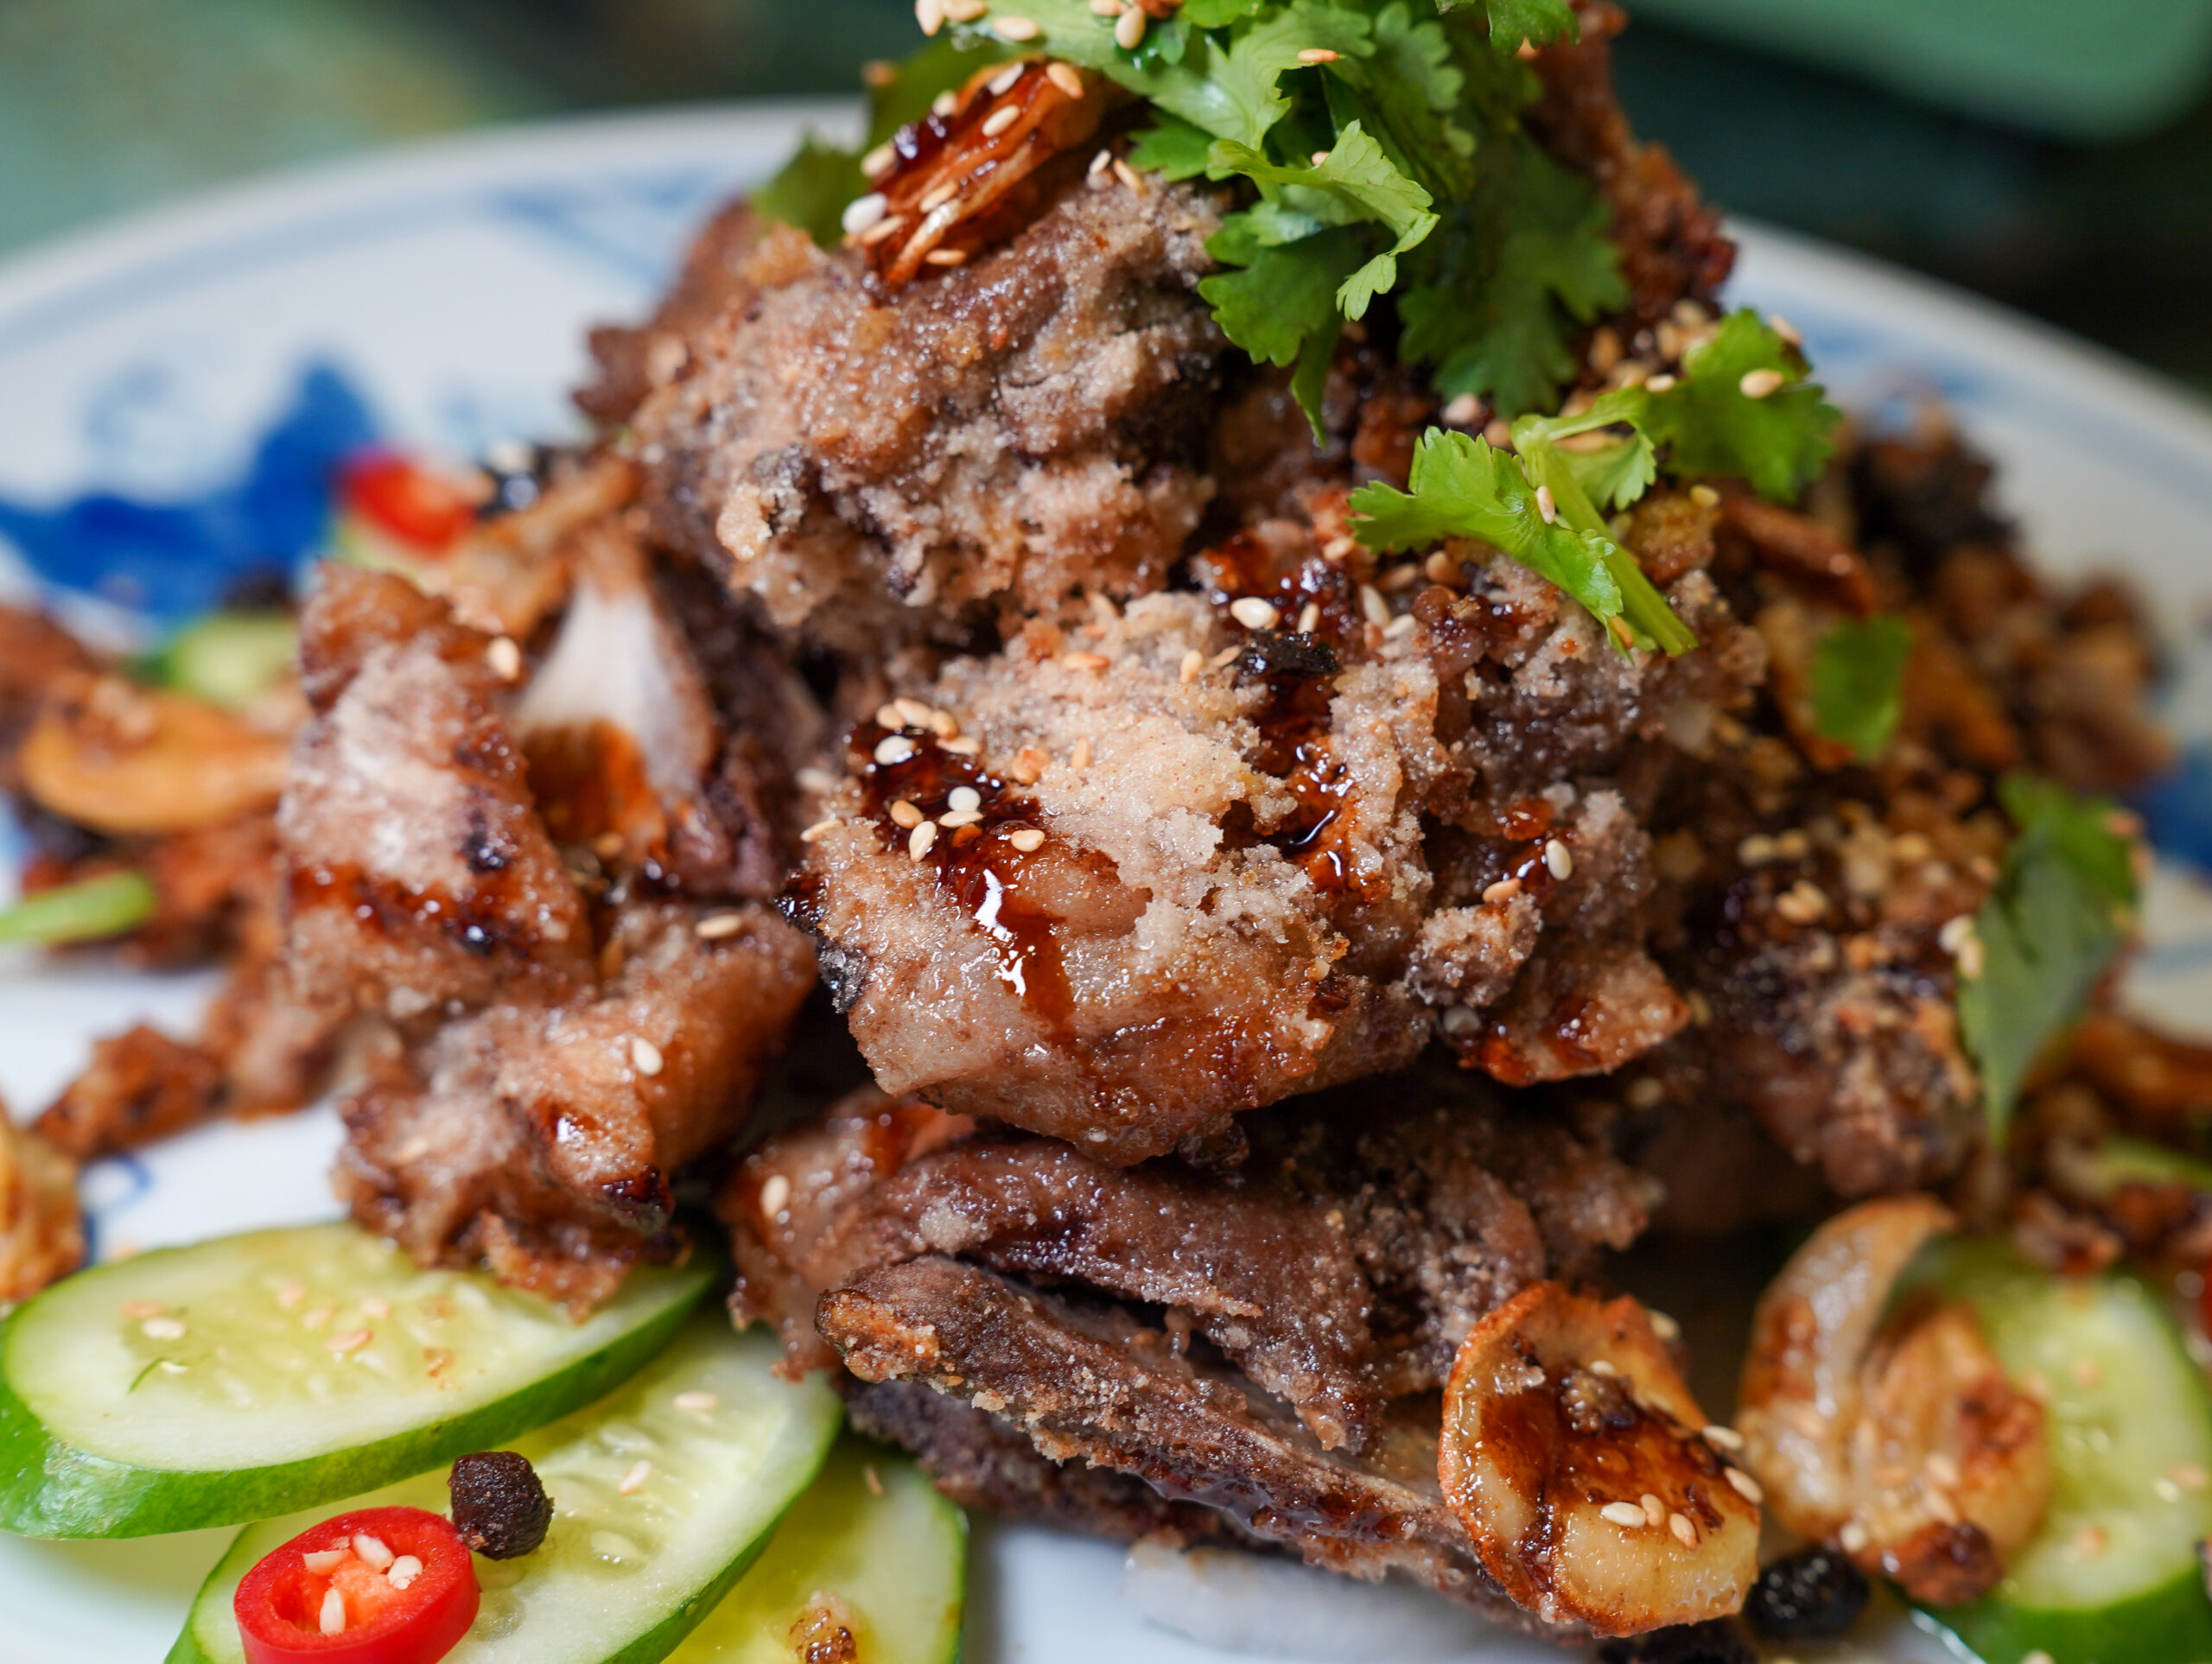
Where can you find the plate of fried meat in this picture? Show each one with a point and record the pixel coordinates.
(1203, 843)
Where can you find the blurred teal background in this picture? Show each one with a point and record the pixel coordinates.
(2056, 154)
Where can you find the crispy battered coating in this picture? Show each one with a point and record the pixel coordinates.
(42, 1235)
(1008, 431)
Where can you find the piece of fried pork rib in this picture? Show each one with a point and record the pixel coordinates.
(1259, 1347)
(541, 895)
(1119, 882)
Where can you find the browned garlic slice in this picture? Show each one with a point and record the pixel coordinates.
(1893, 1434)
(1574, 1455)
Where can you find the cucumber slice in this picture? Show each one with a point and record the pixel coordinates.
(621, 1579)
(258, 1374)
(891, 1559)
(2113, 1576)
(227, 657)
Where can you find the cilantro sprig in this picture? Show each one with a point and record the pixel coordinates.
(1706, 421)
(2059, 912)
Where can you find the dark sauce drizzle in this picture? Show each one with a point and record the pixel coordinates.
(997, 885)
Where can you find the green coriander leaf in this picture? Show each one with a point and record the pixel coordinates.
(1216, 14)
(1618, 474)
(1778, 442)
(1354, 181)
(1858, 683)
(1172, 148)
(1462, 487)
(1544, 21)
(1282, 306)
(1247, 102)
(812, 190)
(1407, 95)
(2058, 913)
(1495, 323)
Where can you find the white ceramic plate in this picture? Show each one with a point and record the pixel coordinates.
(446, 287)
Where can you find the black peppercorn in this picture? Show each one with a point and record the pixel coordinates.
(1717, 1641)
(1813, 1595)
(498, 1506)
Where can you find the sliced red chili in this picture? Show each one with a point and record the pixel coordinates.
(406, 501)
(379, 1585)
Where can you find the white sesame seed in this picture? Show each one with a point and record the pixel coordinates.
(1704, 496)
(700, 1403)
(1128, 28)
(865, 212)
(775, 1194)
(1107, 8)
(323, 1562)
(1320, 157)
(1854, 1537)
(1017, 29)
(1954, 932)
(717, 926)
(1317, 55)
(1065, 76)
(1404, 625)
(940, 196)
(1080, 757)
(504, 658)
(819, 830)
(1803, 902)
(1100, 163)
(2038, 1657)
(1788, 331)
(1758, 383)
(1126, 173)
(404, 1571)
(135, 1309)
(634, 1480)
(999, 120)
(917, 844)
(161, 1329)
(1093, 662)
(1027, 840)
(945, 257)
(889, 228)
(1627, 1516)
(964, 11)
(1685, 1532)
(953, 819)
(1193, 662)
(944, 104)
(1655, 1511)
(1308, 617)
(1253, 612)
(904, 815)
(1664, 1326)
(2165, 1491)
(351, 1340)
(894, 748)
(372, 1550)
(1970, 958)
(879, 161)
(1720, 1437)
(963, 745)
(1505, 890)
(1371, 604)
(929, 14)
(963, 798)
(1545, 506)
(1462, 410)
(1746, 1487)
(1943, 1468)
(1002, 83)
(1559, 859)
(1602, 1367)
(290, 1294)
(1661, 384)
(645, 1055)
(376, 1306)
(331, 1620)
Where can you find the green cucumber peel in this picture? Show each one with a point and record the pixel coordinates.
(90, 1407)
(622, 1578)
